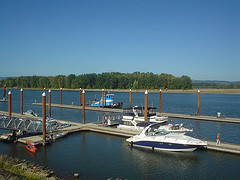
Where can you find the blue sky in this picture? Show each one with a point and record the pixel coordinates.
(200, 39)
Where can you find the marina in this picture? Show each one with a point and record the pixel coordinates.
(90, 141)
(78, 127)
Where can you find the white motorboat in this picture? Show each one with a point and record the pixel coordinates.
(174, 128)
(133, 118)
(152, 137)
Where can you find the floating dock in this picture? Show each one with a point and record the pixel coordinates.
(90, 108)
(170, 115)
(79, 127)
(202, 118)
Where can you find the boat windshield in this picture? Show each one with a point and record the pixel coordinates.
(154, 131)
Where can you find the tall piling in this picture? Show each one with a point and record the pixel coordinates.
(146, 106)
(21, 101)
(102, 98)
(44, 118)
(61, 96)
(130, 98)
(198, 102)
(49, 103)
(160, 101)
(4, 92)
(80, 97)
(83, 108)
(9, 104)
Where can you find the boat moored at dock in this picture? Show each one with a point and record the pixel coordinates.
(133, 118)
(152, 137)
(107, 101)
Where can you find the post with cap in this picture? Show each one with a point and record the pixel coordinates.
(130, 98)
(49, 102)
(80, 97)
(102, 98)
(44, 90)
(83, 108)
(21, 101)
(146, 106)
(9, 104)
(160, 101)
(61, 96)
(44, 117)
(198, 102)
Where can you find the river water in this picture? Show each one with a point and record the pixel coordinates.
(100, 156)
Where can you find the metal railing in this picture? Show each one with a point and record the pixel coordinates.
(26, 124)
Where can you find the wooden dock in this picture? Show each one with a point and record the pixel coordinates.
(78, 127)
(90, 108)
(202, 118)
(170, 115)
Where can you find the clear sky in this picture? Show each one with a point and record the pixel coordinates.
(197, 38)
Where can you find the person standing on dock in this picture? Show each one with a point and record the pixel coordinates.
(218, 139)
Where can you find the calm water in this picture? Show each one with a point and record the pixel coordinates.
(99, 156)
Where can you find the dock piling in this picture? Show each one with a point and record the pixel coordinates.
(9, 104)
(80, 97)
(83, 108)
(21, 101)
(4, 92)
(198, 102)
(130, 98)
(49, 103)
(102, 98)
(44, 118)
(146, 106)
(61, 96)
(160, 101)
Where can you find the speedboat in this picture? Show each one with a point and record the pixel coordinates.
(108, 102)
(174, 128)
(153, 138)
(30, 113)
(133, 118)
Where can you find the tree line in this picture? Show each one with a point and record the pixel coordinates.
(212, 85)
(113, 80)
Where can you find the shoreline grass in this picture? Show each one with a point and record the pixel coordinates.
(23, 169)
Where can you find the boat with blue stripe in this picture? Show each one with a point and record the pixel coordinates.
(159, 139)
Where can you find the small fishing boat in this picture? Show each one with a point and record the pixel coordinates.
(30, 147)
(153, 138)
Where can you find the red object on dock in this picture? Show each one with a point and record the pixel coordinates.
(30, 147)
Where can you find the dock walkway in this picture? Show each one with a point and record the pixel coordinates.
(170, 115)
(79, 127)
(202, 118)
(80, 107)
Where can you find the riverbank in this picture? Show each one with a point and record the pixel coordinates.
(208, 91)
(20, 169)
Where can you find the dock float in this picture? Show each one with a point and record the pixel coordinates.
(202, 118)
(90, 108)
(170, 115)
(79, 127)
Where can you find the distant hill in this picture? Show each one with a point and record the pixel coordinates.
(216, 84)
(7, 77)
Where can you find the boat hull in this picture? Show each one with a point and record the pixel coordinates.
(164, 146)
(30, 147)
